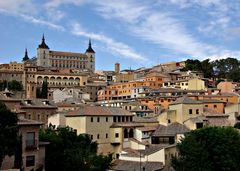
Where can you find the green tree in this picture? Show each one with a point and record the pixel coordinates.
(227, 68)
(11, 85)
(69, 151)
(237, 125)
(15, 85)
(38, 92)
(8, 132)
(207, 68)
(44, 92)
(209, 149)
(192, 65)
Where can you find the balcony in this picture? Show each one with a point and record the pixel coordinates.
(31, 144)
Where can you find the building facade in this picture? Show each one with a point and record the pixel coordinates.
(61, 60)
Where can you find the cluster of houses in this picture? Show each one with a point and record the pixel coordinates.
(137, 116)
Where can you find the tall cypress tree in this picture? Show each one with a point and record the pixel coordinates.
(44, 93)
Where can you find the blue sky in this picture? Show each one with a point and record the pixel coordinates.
(132, 32)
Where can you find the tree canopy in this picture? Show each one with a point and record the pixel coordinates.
(11, 85)
(8, 132)
(42, 92)
(228, 68)
(69, 151)
(209, 149)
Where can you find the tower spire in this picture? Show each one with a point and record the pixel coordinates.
(43, 45)
(25, 58)
(89, 43)
(43, 39)
(90, 49)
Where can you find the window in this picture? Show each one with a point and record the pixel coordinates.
(91, 137)
(169, 121)
(98, 136)
(206, 105)
(30, 140)
(29, 116)
(130, 118)
(91, 119)
(106, 135)
(30, 161)
(106, 119)
(190, 111)
(199, 125)
(126, 118)
(116, 135)
(119, 118)
(114, 119)
(215, 106)
(197, 111)
(98, 119)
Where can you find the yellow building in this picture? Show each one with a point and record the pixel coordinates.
(196, 84)
(33, 77)
(181, 110)
(14, 66)
(104, 125)
(125, 76)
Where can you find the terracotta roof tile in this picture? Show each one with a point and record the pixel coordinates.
(67, 53)
(99, 111)
(185, 100)
(171, 130)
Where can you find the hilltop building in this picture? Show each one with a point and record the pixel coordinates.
(65, 60)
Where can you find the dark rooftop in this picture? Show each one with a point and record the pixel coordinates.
(171, 130)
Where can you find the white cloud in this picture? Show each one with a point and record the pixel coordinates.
(33, 20)
(127, 11)
(18, 6)
(52, 8)
(41, 22)
(28, 10)
(156, 27)
(202, 3)
(223, 55)
(117, 48)
(55, 14)
(57, 3)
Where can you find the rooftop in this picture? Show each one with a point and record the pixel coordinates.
(171, 130)
(99, 111)
(60, 53)
(185, 100)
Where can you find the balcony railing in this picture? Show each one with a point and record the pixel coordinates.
(31, 144)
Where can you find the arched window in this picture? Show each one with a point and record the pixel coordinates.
(125, 133)
(131, 133)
